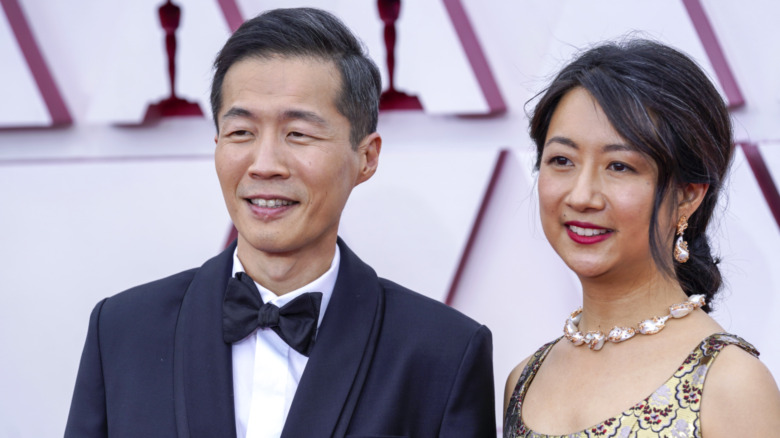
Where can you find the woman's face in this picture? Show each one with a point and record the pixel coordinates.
(595, 192)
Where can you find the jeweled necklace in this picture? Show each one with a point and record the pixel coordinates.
(595, 339)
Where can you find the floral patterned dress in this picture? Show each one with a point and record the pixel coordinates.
(671, 411)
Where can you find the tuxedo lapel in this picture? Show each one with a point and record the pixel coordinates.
(339, 362)
(203, 380)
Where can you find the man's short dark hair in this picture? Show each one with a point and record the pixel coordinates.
(309, 33)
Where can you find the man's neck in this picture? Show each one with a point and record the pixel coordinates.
(284, 272)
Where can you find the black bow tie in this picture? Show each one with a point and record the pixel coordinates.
(243, 311)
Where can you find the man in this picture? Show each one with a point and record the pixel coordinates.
(335, 350)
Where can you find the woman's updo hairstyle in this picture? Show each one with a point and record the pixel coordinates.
(663, 105)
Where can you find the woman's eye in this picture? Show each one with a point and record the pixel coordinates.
(620, 167)
(559, 161)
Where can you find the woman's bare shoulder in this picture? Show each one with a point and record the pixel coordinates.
(740, 397)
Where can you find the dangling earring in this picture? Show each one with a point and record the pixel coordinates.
(681, 253)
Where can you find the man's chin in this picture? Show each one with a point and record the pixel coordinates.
(261, 244)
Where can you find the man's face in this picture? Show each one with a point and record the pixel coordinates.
(283, 156)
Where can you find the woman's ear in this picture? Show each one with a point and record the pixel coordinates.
(689, 197)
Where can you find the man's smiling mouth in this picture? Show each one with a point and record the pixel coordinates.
(271, 203)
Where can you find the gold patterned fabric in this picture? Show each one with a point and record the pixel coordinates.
(671, 411)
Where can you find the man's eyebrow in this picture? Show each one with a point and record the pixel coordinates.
(306, 116)
(237, 112)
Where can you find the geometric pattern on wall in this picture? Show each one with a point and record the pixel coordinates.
(29, 94)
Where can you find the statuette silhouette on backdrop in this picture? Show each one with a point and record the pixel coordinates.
(170, 18)
(392, 99)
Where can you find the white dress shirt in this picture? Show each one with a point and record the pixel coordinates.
(266, 371)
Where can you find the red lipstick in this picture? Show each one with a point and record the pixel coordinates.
(577, 230)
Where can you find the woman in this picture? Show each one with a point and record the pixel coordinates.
(633, 143)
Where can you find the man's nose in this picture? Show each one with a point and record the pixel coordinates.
(269, 158)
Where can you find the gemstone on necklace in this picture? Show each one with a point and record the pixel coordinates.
(595, 340)
(620, 334)
(681, 309)
(570, 328)
(653, 325)
(697, 300)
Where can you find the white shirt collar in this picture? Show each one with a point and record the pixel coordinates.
(324, 284)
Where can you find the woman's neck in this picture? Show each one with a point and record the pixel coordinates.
(608, 302)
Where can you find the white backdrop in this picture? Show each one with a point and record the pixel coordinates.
(92, 208)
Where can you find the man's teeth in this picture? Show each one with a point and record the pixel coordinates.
(272, 203)
(587, 232)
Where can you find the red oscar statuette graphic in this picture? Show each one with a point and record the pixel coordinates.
(170, 16)
(392, 99)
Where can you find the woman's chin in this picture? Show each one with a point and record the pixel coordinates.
(588, 269)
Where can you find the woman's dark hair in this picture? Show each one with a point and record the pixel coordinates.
(310, 33)
(663, 105)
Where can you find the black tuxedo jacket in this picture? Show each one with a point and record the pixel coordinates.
(387, 362)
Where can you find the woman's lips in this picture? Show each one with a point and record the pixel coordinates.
(586, 233)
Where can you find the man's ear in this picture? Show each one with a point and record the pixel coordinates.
(689, 197)
(368, 150)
